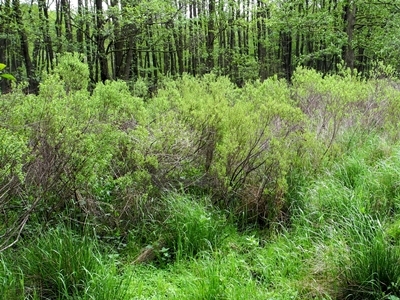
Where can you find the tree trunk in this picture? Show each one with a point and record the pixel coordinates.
(261, 35)
(66, 11)
(286, 46)
(210, 36)
(119, 43)
(4, 31)
(45, 28)
(79, 30)
(349, 21)
(33, 84)
(100, 39)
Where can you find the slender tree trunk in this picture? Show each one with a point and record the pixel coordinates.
(45, 28)
(193, 40)
(210, 36)
(79, 30)
(33, 84)
(66, 11)
(349, 20)
(261, 35)
(286, 46)
(89, 49)
(119, 43)
(179, 48)
(223, 51)
(5, 21)
(100, 40)
(58, 24)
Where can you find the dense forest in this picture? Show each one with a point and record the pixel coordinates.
(244, 39)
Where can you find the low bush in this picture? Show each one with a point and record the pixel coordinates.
(240, 146)
(109, 157)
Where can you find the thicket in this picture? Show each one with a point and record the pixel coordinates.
(118, 164)
(109, 157)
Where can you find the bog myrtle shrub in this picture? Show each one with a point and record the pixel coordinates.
(109, 156)
(73, 73)
(240, 144)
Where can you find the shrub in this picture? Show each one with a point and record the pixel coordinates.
(14, 154)
(73, 73)
(345, 104)
(72, 144)
(235, 144)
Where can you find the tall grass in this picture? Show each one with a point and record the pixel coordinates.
(60, 264)
(371, 269)
(11, 281)
(345, 214)
(191, 226)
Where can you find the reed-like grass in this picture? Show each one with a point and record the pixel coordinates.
(191, 226)
(59, 264)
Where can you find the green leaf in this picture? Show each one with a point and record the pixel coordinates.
(2, 66)
(7, 76)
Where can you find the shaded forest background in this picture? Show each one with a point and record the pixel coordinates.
(244, 39)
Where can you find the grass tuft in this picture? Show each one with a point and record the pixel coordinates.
(191, 226)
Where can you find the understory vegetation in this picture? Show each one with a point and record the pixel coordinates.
(203, 191)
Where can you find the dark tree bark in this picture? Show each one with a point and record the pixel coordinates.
(66, 12)
(210, 36)
(261, 35)
(80, 29)
(33, 84)
(286, 46)
(349, 21)
(100, 40)
(4, 23)
(45, 28)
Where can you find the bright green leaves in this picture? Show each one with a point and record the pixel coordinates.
(13, 152)
(74, 73)
(242, 140)
(5, 75)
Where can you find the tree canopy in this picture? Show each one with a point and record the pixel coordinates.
(244, 39)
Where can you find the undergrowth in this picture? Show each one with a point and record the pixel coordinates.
(204, 191)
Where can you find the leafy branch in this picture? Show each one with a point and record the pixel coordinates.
(5, 75)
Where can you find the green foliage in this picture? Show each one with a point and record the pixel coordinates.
(11, 281)
(63, 144)
(319, 157)
(345, 213)
(13, 153)
(393, 231)
(191, 226)
(73, 73)
(371, 270)
(5, 75)
(239, 140)
(59, 262)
